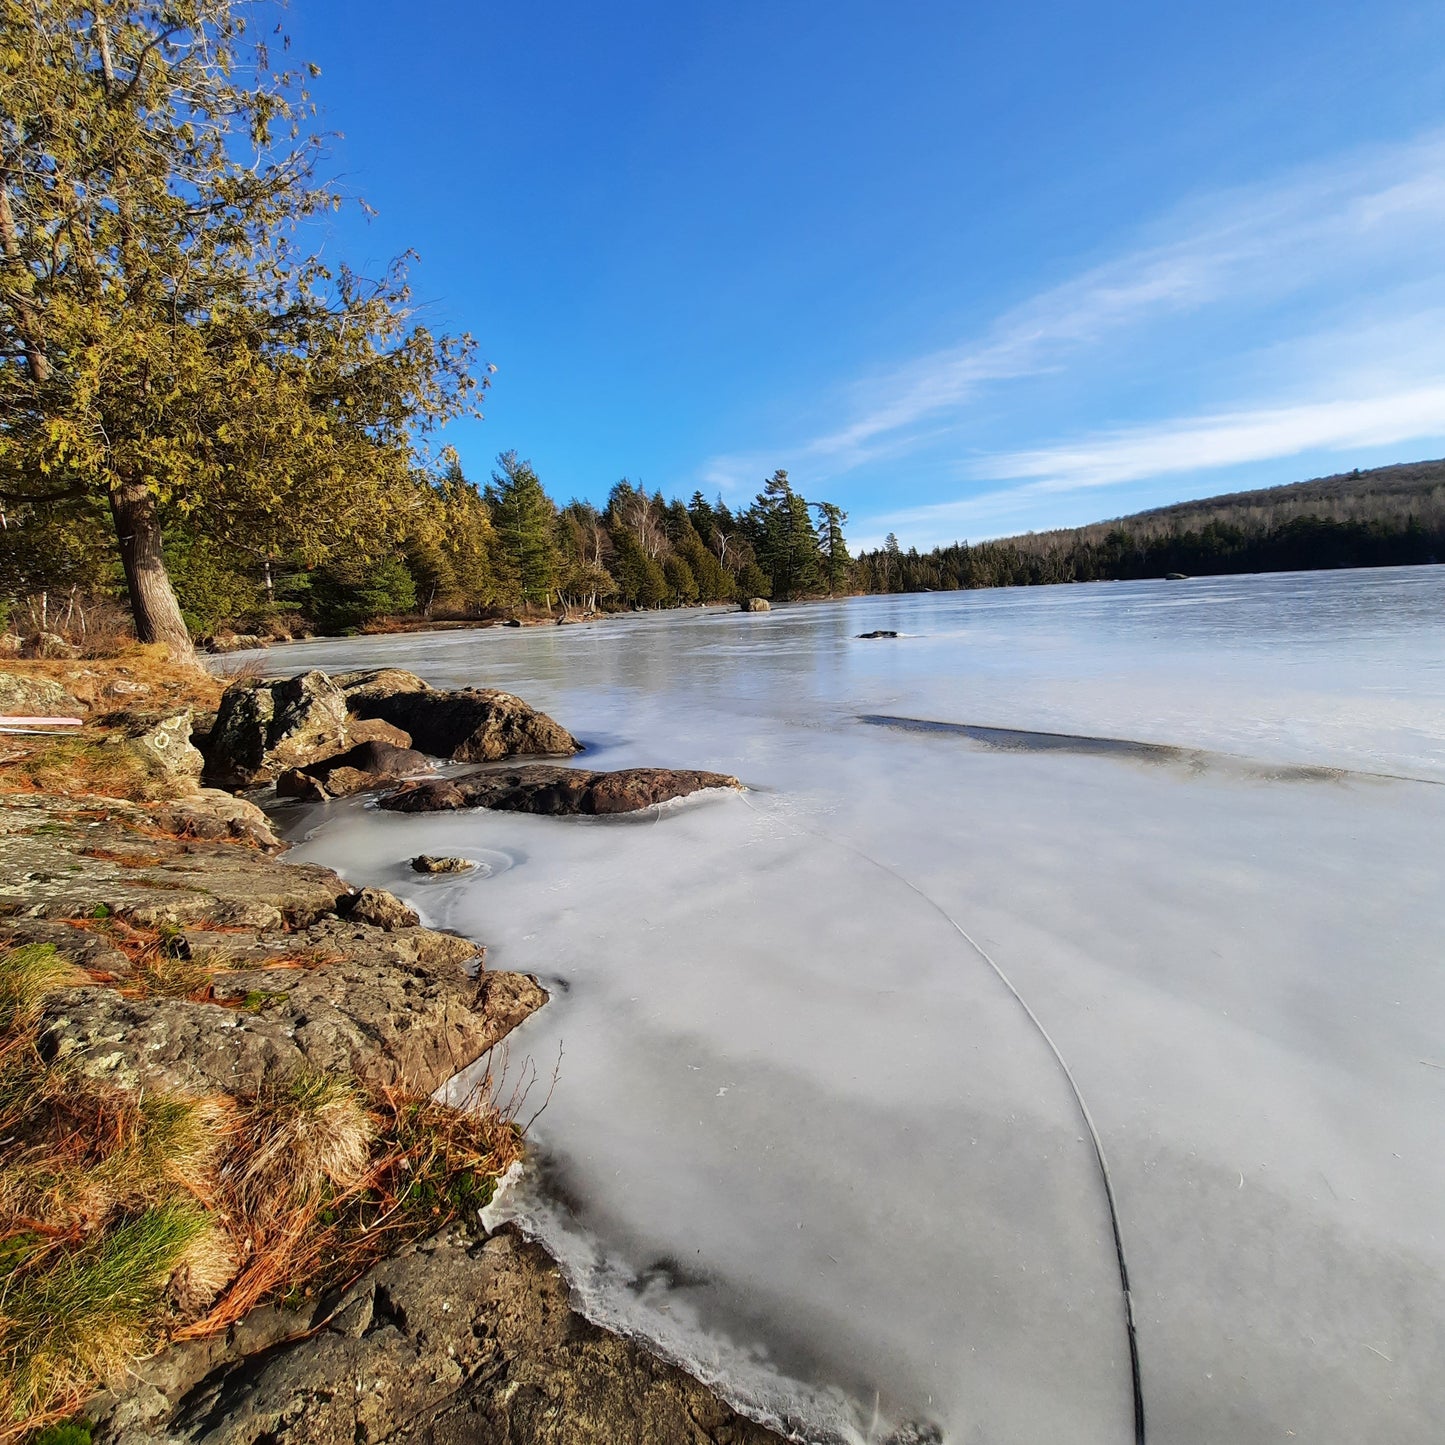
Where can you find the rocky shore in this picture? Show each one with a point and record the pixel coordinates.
(202, 966)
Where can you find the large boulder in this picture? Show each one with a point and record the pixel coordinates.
(367, 765)
(265, 726)
(555, 791)
(24, 696)
(474, 725)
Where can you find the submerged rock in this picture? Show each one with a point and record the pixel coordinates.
(266, 726)
(554, 790)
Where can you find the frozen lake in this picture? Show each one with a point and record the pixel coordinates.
(803, 1136)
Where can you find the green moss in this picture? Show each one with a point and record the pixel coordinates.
(72, 1432)
(257, 999)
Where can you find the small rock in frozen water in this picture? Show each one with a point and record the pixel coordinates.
(425, 863)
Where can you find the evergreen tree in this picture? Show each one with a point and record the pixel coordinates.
(640, 580)
(754, 582)
(681, 584)
(348, 591)
(469, 542)
(780, 530)
(836, 561)
(525, 520)
(804, 558)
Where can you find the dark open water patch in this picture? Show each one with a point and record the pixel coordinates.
(1192, 760)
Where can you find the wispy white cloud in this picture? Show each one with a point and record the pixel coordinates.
(1362, 225)
(1274, 240)
(1202, 443)
(1187, 444)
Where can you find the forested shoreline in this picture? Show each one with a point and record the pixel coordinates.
(451, 549)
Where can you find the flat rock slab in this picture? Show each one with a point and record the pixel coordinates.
(403, 1007)
(555, 791)
(77, 857)
(454, 1340)
(303, 970)
(24, 695)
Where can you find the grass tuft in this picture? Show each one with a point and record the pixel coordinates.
(310, 1133)
(128, 1218)
(27, 976)
(70, 1318)
(71, 767)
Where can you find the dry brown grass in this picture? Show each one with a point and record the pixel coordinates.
(311, 1132)
(304, 960)
(130, 1218)
(162, 963)
(167, 684)
(73, 766)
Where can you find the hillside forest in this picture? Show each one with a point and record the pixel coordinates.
(1388, 517)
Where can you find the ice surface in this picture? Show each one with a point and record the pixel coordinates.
(803, 1138)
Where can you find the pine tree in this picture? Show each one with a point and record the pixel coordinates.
(525, 520)
(836, 561)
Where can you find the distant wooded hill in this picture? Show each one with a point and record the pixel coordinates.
(1388, 517)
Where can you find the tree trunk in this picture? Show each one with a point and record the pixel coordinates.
(152, 599)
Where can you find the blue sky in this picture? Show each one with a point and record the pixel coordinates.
(967, 269)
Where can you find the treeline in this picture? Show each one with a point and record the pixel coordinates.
(446, 547)
(1389, 517)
